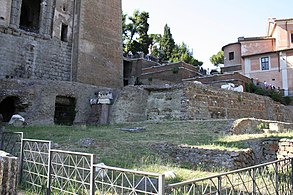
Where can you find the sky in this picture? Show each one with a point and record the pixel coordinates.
(207, 25)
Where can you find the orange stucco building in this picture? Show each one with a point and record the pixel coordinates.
(268, 58)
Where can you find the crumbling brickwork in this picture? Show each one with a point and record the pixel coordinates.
(191, 101)
(53, 50)
(22, 57)
(37, 41)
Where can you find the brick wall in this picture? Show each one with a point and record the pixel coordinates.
(37, 99)
(34, 57)
(98, 56)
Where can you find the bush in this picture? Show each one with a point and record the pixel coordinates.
(175, 70)
(275, 95)
(286, 100)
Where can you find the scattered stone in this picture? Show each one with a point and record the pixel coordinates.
(87, 143)
(100, 171)
(56, 146)
(134, 129)
(170, 174)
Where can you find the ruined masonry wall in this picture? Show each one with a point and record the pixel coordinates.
(190, 101)
(285, 149)
(24, 56)
(38, 98)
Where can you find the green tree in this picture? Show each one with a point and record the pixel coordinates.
(167, 44)
(217, 58)
(182, 53)
(135, 33)
(136, 39)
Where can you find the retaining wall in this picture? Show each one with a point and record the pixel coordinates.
(190, 101)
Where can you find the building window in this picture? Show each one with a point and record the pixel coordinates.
(291, 37)
(265, 62)
(231, 55)
(30, 15)
(64, 31)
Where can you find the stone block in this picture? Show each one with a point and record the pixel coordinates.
(8, 173)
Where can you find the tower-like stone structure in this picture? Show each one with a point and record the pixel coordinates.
(66, 49)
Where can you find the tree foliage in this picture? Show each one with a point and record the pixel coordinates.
(182, 53)
(135, 33)
(136, 39)
(167, 44)
(217, 58)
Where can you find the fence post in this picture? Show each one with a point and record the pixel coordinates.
(253, 181)
(20, 161)
(93, 175)
(161, 186)
(291, 179)
(277, 178)
(49, 179)
(219, 185)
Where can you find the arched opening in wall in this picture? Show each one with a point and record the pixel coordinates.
(64, 110)
(8, 107)
(30, 15)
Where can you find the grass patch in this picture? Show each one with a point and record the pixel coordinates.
(135, 150)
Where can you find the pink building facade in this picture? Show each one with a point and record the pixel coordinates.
(267, 59)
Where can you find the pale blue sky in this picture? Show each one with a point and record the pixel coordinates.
(207, 25)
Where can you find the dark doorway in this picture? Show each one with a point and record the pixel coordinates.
(8, 107)
(64, 32)
(30, 15)
(64, 110)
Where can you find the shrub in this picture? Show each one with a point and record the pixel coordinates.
(275, 95)
(175, 70)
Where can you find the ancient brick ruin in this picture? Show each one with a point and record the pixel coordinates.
(72, 44)
(191, 101)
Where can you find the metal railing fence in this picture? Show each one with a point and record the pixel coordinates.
(71, 172)
(44, 170)
(269, 178)
(113, 180)
(35, 165)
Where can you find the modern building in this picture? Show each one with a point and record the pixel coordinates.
(268, 59)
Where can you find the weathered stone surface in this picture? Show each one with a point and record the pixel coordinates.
(37, 98)
(87, 143)
(72, 41)
(189, 101)
(8, 173)
(130, 105)
(205, 158)
(252, 125)
(285, 149)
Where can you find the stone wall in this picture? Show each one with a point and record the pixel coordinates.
(285, 149)
(218, 80)
(207, 159)
(36, 99)
(66, 40)
(130, 108)
(252, 125)
(259, 151)
(33, 57)
(190, 101)
(8, 173)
